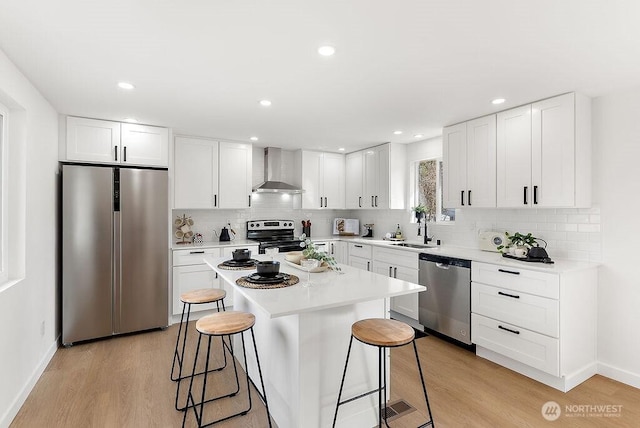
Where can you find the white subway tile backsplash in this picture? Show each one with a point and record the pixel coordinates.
(578, 218)
(585, 228)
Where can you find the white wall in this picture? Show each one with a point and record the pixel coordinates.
(616, 139)
(31, 302)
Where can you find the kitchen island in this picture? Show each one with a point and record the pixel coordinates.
(302, 335)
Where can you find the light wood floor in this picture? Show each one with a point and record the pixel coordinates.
(124, 382)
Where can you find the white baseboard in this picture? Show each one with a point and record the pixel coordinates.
(13, 410)
(621, 375)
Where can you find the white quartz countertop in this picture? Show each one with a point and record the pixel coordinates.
(215, 244)
(329, 289)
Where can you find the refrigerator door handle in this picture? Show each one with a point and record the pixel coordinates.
(116, 306)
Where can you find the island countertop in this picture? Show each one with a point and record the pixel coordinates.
(329, 290)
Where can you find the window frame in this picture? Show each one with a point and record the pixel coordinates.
(439, 190)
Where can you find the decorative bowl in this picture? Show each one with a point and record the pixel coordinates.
(241, 254)
(268, 268)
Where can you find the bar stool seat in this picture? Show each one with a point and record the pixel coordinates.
(382, 333)
(223, 324)
(194, 297)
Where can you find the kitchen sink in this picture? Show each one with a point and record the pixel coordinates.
(405, 244)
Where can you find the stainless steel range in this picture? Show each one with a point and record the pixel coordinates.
(273, 233)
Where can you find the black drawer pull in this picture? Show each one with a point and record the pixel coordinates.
(509, 330)
(196, 252)
(508, 295)
(469, 197)
(358, 246)
(462, 197)
(526, 188)
(359, 201)
(508, 271)
(535, 195)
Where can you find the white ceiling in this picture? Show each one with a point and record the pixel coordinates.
(201, 66)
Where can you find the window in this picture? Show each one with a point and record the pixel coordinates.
(3, 195)
(428, 189)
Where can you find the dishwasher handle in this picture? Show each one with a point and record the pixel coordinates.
(442, 265)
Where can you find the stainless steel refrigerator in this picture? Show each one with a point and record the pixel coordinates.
(114, 251)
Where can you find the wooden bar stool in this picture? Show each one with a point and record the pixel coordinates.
(383, 334)
(194, 297)
(224, 324)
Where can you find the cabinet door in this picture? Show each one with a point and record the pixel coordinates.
(360, 263)
(92, 140)
(384, 177)
(234, 177)
(188, 278)
(311, 179)
(145, 145)
(454, 157)
(481, 162)
(333, 180)
(338, 250)
(553, 150)
(195, 182)
(371, 178)
(354, 171)
(514, 158)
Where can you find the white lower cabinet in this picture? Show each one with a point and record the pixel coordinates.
(338, 250)
(360, 256)
(540, 324)
(401, 265)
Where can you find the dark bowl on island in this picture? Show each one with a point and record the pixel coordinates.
(268, 268)
(241, 255)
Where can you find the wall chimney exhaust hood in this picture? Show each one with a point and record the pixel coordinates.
(273, 174)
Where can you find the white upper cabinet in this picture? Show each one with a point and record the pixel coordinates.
(144, 145)
(90, 140)
(469, 156)
(211, 174)
(235, 175)
(195, 173)
(354, 188)
(544, 154)
(322, 176)
(377, 177)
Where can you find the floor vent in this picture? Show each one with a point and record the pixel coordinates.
(396, 409)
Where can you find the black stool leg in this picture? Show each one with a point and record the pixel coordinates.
(264, 391)
(424, 388)
(344, 373)
(176, 356)
(189, 394)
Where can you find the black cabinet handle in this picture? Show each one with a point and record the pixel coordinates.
(358, 246)
(359, 201)
(320, 201)
(376, 201)
(508, 295)
(469, 197)
(368, 266)
(196, 252)
(462, 197)
(372, 202)
(535, 195)
(508, 271)
(325, 202)
(395, 272)
(249, 200)
(125, 154)
(115, 152)
(525, 195)
(215, 200)
(390, 272)
(331, 245)
(509, 330)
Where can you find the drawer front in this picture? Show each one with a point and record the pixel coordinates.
(514, 278)
(533, 349)
(359, 250)
(396, 257)
(194, 277)
(539, 314)
(193, 256)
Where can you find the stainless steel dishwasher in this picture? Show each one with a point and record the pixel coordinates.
(445, 307)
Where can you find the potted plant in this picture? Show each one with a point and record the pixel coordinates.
(518, 240)
(419, 211)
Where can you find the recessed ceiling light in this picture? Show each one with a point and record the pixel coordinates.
(326, 50)
(341, 149)
(418, 136)
(498, 101)
(397, 132)
(131, 120)
(265, 103)
(254, 138)
(125, 85)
